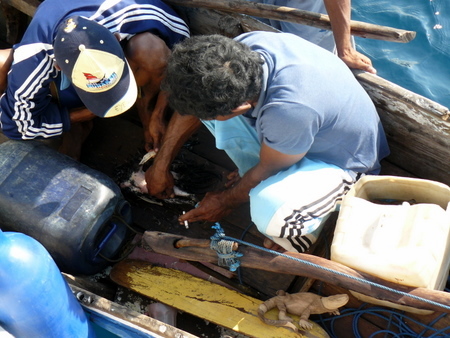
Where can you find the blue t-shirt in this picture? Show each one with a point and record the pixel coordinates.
(27, 110)
(311, 103)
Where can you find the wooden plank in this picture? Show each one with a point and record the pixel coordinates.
(282, 13)
(312, 267)
(418, 129)
(201, 298)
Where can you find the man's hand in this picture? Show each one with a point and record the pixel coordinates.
(356, 60)
(339, 12)
(158, 123)
(160, 183)
(154, 134)
(216, 205)
(154, 126)
(232, 179)
(153, 117)
(213, 207)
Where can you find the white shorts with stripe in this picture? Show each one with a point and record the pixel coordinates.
(291, 206)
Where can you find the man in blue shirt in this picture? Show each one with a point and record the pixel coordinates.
(40, 100)
(292, 117)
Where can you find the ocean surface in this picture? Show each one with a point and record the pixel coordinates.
(422, 65)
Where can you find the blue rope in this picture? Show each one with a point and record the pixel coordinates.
(224, 249)
(244, 233)
(395, 320)
(220, 234)
(398, 322)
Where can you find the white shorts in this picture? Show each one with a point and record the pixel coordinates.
(291, 206)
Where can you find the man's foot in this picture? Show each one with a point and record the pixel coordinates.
(271, 245)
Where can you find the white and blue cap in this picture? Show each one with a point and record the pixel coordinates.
(93, 60)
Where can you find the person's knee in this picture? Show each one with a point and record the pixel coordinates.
(291, 229)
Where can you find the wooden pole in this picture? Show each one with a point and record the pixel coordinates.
(25, 6)
(345, 277)
(361, 29)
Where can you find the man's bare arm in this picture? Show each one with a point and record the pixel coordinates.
(339, 12)
(158, 177)
(6, 59)
(216, 205)
(147, 55)
(80, 115)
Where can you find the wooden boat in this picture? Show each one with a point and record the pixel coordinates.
(418, 131)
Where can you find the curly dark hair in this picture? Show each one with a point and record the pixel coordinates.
(210, 75)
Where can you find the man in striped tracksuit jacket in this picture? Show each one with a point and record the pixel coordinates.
(146, 29)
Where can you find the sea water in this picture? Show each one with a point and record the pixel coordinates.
(422, 65)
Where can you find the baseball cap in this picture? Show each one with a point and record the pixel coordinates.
(92, 58)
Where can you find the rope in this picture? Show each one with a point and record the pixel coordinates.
(227, 257)
(220, 233)
(395, 320)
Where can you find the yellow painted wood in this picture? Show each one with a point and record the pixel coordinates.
(203, 299)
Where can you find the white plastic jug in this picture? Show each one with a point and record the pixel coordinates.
(398, 229)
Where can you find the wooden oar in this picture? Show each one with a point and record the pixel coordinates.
(313, 19)
(167, 244)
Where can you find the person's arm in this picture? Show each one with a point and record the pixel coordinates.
(28, 110)
(339, 12)
(216, 205)
(158, 177)
(147, 55)
(6, 59)
(80, 115)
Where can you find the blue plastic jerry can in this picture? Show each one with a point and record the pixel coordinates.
(77, 213)
(35, 299)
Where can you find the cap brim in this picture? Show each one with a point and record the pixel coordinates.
(115, 100)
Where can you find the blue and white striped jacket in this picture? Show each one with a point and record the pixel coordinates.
(27, 110)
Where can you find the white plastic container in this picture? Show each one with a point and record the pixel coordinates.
(406, 243)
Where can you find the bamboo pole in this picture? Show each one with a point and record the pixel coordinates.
(345, 277)
(361, 29)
